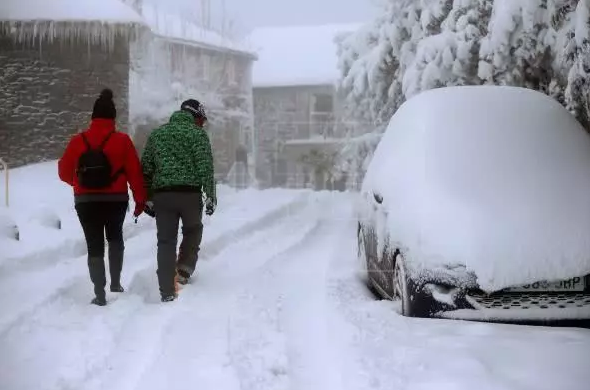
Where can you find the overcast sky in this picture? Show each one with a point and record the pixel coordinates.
(253, 13)
(248, 14)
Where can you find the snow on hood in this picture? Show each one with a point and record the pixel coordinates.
(108, 11)
(494, 178)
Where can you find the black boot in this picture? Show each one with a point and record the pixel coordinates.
(116, 253)
(97, 275)
(169, 297)
(99, 301)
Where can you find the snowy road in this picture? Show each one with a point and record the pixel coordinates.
(277, 304)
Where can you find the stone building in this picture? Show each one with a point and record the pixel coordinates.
(53, 63)
(298, 113)
(180, 60)
(55, 60)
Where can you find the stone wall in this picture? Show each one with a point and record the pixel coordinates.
(47, 92)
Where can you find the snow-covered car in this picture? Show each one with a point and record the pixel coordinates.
(476, 205)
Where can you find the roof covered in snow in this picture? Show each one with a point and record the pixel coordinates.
(107, 11)
(174, 27)
(297, 55)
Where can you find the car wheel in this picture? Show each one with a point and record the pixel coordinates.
(401, 289)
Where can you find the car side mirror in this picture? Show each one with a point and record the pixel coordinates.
(378, 198)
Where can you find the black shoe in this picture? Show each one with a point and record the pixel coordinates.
(117, 289)
(169, 298)
(99, 301)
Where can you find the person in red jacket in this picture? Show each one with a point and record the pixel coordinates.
(101, 201)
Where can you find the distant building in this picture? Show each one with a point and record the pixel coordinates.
(298, 113)
(54, 60)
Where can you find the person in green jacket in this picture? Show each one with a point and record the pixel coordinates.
(178, 171)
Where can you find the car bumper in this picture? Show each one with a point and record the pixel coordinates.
(517, 307)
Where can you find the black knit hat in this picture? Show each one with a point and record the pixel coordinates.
(104, 107)
(195, 108)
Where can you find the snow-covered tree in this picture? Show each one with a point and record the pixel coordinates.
(417, 45)
(515, 50)
(353, 159)
(578, 77)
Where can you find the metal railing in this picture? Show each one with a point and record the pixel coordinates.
(4, 166)
(289, 130)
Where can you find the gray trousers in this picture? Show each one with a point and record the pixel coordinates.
(170, 209)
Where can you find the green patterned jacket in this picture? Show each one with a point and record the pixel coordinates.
(178, 155)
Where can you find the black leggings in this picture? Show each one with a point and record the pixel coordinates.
(99, 219)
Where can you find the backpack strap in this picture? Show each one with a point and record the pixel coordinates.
(120, 171)
(102, 145)
(104, 142)
(88, 146)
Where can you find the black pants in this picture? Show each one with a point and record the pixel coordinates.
(98, 219)
(171, 208)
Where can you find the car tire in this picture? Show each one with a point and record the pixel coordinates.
(401, 288)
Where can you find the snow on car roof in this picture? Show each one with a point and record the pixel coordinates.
(494, 178)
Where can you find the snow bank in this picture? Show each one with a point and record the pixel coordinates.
(108, 11)
(299, 55)
(495, 178)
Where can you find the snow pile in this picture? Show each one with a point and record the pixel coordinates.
(107, 11)
(299, 55)
(495, 178)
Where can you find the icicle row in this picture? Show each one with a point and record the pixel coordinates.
(91, 32)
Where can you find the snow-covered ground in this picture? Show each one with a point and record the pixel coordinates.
(277, 303)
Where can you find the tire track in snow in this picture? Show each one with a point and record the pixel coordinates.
(204, 324)
(289, 346)
(378, 347)
(48, 290)
(59, 316)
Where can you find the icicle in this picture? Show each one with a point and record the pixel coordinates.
(99, 33)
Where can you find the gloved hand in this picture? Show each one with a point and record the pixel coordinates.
(149, 209)
(139, 207)
(210, 206)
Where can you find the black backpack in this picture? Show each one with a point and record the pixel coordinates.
(94, 169)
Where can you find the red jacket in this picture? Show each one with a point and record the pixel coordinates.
(120, 152)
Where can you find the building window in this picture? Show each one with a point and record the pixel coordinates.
(323, 102)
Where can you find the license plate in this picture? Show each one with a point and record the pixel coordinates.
(576, 284)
